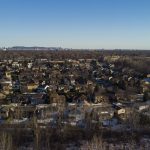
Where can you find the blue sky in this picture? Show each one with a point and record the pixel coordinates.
(76, 23)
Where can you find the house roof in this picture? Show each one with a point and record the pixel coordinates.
(147, 80)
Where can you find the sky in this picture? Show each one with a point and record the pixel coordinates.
(108, 24)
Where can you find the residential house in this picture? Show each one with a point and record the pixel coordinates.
(8, 74)
(4, 112)
(23, 112)
(57, 99)
(32, 86)
(104, 112)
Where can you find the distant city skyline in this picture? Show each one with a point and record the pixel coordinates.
(85, 24)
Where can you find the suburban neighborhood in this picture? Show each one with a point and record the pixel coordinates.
(98, 93)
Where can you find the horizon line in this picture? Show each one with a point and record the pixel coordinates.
(63, 48)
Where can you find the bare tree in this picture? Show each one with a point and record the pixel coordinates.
(134, 120)
(96, 143)
(5, 141)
